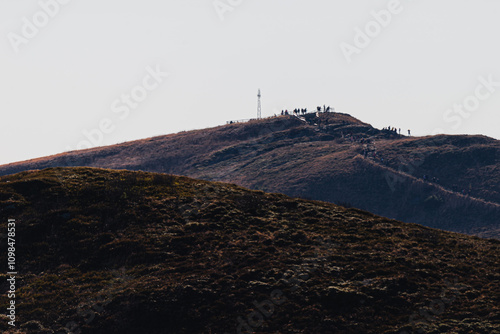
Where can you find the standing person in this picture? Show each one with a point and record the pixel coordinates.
(409, 132)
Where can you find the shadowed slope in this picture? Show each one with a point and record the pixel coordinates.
(104, 251)
(333, 157)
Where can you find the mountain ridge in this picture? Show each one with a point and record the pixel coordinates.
(326, 156)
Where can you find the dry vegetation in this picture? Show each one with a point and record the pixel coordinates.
(131, 252)
(312, 160)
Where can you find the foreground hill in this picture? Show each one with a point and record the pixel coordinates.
(447, 182)
(102, 251)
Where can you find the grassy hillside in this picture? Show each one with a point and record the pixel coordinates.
(448, 182)
(103, 251)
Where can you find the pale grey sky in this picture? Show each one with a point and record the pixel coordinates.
(67, 67)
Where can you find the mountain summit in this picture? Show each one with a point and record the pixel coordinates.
(447, 182)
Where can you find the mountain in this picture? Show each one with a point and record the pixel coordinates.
(446, 182)
(106, 251)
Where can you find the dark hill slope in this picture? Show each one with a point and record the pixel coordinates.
(333, 157)
(102, 251)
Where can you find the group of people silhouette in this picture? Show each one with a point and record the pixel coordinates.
(394, 130)
(294, 111)
(391, 129)
(303, 111)
(325, 108)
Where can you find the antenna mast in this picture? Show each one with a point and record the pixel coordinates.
(259, 107)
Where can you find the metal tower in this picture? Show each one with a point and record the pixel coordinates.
(259, 107)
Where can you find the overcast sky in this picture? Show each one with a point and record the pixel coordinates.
(70, 67)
